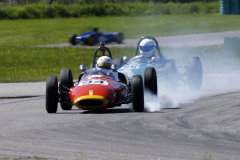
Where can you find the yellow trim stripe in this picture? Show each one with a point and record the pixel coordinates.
(91, 97)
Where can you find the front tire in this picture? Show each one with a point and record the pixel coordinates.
(66, 80)
(119, 37)
(150, 80)
(137, 93)
(51, 94)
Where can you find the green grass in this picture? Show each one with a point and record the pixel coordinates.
(54, 31)
(19, 61)
(35, 64)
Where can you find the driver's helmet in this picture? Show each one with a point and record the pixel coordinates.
(95, 29)
(147, 47)
(104, 62)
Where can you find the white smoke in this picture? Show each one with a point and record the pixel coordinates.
(213, 84)
(169, 100)
(155, 103)
(221, 74)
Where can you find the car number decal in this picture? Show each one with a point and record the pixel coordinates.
(131, 67)
(96, 76)
(93, 81)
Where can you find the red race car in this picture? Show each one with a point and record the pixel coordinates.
(98, 88)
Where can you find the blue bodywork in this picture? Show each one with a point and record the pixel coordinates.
(93, 37)
(166, 69)
(105, 37)
(136, 66)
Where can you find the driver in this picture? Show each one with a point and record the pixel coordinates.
(104, 64)
(147, 51)
(147, 48)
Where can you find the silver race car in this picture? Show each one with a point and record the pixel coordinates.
(148, 55)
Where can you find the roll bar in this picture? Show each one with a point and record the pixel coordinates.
(157, 46)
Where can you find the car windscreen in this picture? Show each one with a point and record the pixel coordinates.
(97, 72)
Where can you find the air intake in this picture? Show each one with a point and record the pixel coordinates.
(91, 102)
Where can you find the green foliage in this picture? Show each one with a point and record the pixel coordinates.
(45, 10)
(23, 2)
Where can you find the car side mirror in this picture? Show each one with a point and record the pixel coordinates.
(114, 67)
(82, 68)
(125, 59)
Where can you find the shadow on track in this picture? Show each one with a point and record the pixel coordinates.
(102, 111)
(108, 111)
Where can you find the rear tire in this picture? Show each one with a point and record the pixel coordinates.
(137, 93)
(194, 77)
(66, 80)
(51, 94)
(72, 39)
(150, 80)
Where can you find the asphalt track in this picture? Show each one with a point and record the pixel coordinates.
(186, 125)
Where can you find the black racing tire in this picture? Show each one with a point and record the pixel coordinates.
(119, 37)
(91, 40)
(66, 80)
(73, 40)
(119, 61)
(170, 76)
(137, 93)
(150, 80)
(194, 70)
(52, 94)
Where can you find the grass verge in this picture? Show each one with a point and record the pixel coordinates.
(55, 31)
(20, 64)
(35, 64)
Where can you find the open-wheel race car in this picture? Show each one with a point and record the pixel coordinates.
(166, 69)
(98, 87)
(95, 37)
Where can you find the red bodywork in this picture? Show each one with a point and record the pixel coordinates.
(95, 91)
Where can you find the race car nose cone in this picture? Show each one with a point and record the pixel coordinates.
(91, 102)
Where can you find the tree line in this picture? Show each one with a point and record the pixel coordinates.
(24, 2)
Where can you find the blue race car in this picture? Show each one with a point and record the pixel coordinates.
(166, 69)
(95, 37)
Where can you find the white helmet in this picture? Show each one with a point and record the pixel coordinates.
(104, 62)
(147, 47)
